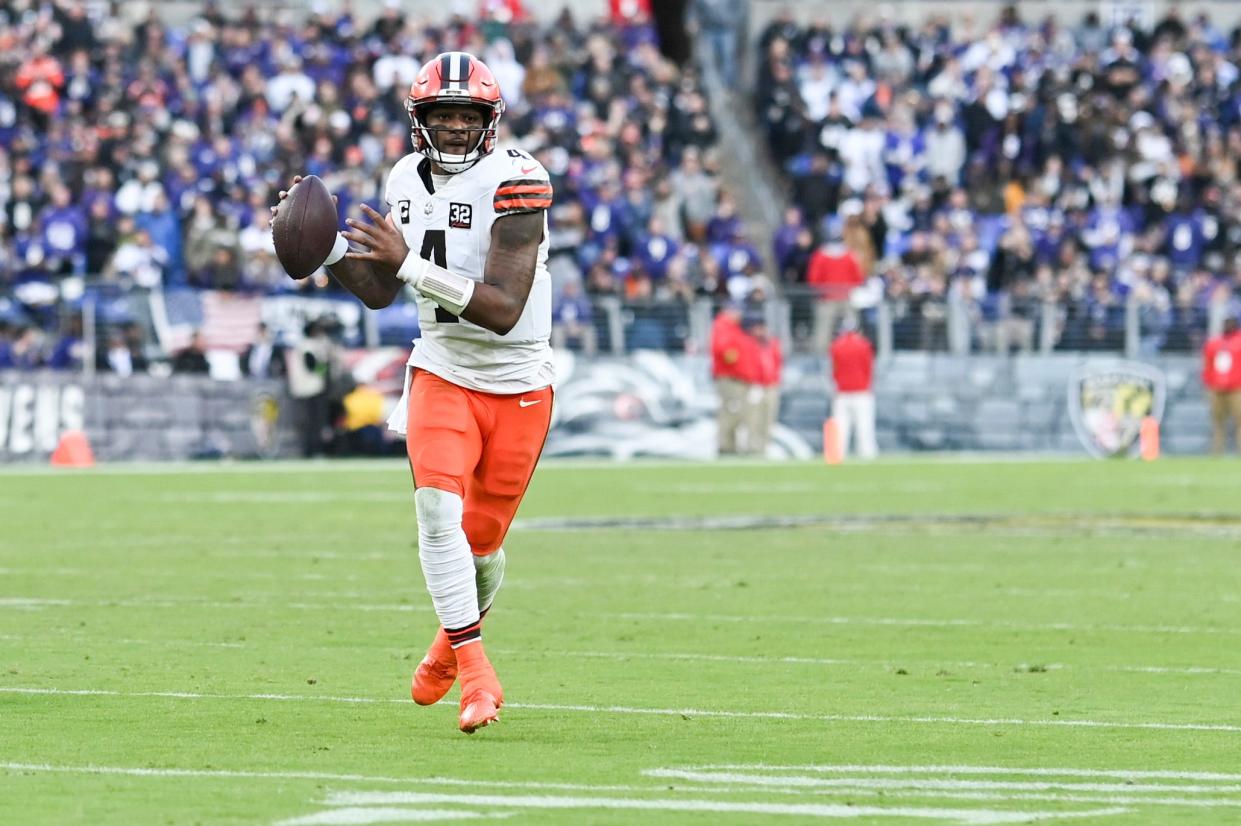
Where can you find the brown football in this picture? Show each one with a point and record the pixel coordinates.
(305, 227)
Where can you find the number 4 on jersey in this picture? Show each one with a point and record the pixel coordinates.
(435, 250)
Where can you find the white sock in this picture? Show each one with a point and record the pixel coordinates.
(488, 574)
(446, 558)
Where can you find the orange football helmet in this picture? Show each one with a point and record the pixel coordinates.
(456, 78)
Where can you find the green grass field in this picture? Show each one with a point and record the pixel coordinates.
(906, 642)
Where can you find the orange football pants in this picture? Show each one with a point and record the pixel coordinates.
(481, 446)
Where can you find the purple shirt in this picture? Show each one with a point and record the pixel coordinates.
(64, 230)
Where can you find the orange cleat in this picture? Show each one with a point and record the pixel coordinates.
(481, 695)
(436, 673)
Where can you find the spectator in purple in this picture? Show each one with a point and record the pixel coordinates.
(785, 240)
(64, 233)
(67, 352)
(656, 249)
(573, 320)
(1109, 233)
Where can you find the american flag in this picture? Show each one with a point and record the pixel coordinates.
(227, 321)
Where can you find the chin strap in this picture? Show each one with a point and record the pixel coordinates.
(447, 289)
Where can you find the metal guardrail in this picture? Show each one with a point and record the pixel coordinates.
(952, 324)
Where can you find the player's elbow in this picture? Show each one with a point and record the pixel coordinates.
(501, 328)
(379, 298)
(503, 320)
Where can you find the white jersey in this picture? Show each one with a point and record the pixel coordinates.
(450, 225)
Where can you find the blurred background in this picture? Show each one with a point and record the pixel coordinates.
(1031, 213)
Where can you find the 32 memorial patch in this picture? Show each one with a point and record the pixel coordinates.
(460, 215)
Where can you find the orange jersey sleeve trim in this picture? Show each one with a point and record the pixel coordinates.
(522, 195)
(544, 189)
(513, 205)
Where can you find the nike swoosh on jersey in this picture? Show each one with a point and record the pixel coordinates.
(526, 170)
(524, 403)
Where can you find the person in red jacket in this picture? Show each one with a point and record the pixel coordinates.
(853, 367)
(834, 272)
(726, 370)
(1221, 374)
(40, 80)
(763, 361)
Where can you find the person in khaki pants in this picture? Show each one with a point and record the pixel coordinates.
(726, 365)
(1221, 374)
(764, 360)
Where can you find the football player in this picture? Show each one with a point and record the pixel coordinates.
(466, 228)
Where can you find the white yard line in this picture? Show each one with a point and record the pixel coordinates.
(687, 713)
(791, 781)
(1196, 670)
(781, 488)
(1061, 784)
(293, 497)
(361, 802)
(337, 777)
(1057, 797)
(355, 816)
(31, 602)
(621, 656)
(154, 573)
(819, 810)
(924, 623)
(1063, 793)
(900, 622)
(874, 718)
(535, 583)
(948, 769)
(215, 605)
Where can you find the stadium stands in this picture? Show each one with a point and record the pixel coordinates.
(1024, 185)
(1057, 183)
(142, 158)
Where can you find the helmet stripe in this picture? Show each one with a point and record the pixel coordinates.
(446, 71)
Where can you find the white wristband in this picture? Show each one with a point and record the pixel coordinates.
(338, 251)
(447, 289)
(412, 269)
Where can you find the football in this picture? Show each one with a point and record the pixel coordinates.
(305, 227)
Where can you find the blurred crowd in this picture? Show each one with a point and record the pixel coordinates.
(990, 166)
(141, 155)
(1009, 162)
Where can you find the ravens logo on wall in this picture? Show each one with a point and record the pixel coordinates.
(1109, 400)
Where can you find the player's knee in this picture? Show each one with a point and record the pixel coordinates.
(484, 532)
(439, 511)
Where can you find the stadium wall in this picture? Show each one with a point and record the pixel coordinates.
(645, 404)
(144, 417)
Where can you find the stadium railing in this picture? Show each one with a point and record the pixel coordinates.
(951, 324)
(999, 324)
